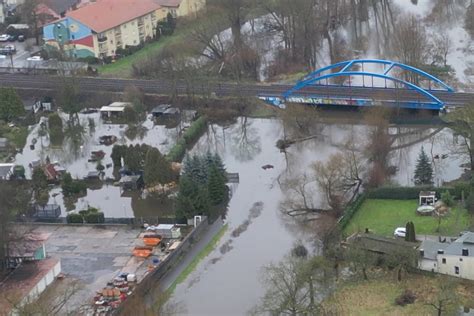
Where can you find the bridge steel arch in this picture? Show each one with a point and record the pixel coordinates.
(316, 76)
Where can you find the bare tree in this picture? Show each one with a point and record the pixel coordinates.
(446, 301)
(360, 260)
(410, 43)
(462, 123)
(340, 178)
(293, 286)
(47, 303)
(14, 198)
(441, 48)
(378, 146)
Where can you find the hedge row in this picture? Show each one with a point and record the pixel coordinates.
(89, 218)
(191, 135)
(351, 209)
(410, 193)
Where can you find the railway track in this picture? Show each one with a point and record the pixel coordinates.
(95, 84)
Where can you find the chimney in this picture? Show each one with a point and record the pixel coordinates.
(422, 252)
(465, 252)
(440, 251)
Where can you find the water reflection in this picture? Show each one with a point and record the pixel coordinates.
(231, 272)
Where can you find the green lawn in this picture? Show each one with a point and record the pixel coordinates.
(122, 68)
(383, 216)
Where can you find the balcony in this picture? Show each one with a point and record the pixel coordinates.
(102, 39)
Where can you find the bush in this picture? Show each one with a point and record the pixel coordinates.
(470, 204)
(72, 187)
(191, 135)
(94, 217)
(195, 130)
(178, 151)
(447, 198)
(74, 218)
(407, 297)
(410, 193)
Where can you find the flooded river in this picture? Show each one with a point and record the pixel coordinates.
(227, 282)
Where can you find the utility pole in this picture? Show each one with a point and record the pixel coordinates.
(11, 59)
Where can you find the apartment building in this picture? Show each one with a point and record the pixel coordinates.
(100, 28)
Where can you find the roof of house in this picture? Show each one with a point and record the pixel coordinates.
(51, 172)
(115, 107)
(6, 169)
(171, 111)
(427, 193)
(160, 108)
(382, 245)
(430, 248)
(169, 3)
(106, 14)
(466, 241)
(455, 248)
(60, 6)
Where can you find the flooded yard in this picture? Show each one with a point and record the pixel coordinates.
(245, 145)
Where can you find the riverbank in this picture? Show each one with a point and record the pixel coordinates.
(201, 255)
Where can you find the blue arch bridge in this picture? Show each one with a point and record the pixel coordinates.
(369, 82)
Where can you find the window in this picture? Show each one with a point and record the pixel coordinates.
(460, 259)
(456, 270)
(73, 37)
(444, 260)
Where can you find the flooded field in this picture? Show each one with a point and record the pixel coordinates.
(245, 145)
(259, 232)
(76, 151)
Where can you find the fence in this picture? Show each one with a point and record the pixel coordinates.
(150, 284)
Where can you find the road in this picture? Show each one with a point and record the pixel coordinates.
(224, 89)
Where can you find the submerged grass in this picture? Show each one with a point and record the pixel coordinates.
(197, 259)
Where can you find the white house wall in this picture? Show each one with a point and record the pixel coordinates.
(465, 264)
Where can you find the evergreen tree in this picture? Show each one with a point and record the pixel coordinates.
(423, 170)
(410, 232)
(132, 159)
(40, 187)
(117, 155)
(157, 169)
(216, 186)
(11, 106)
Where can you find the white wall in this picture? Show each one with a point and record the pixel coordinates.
(41, 285)
(465, 264)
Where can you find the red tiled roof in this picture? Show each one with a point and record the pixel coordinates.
(106, 14)
(50, 172)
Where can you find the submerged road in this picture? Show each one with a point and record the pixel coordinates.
(95, 84)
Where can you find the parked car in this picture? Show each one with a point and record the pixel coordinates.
(34, 58)
(21, 38)
(2, 56)
(400, 232)
(12, 38)
(4, 37)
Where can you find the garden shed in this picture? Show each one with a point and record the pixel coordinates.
(427, 198)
